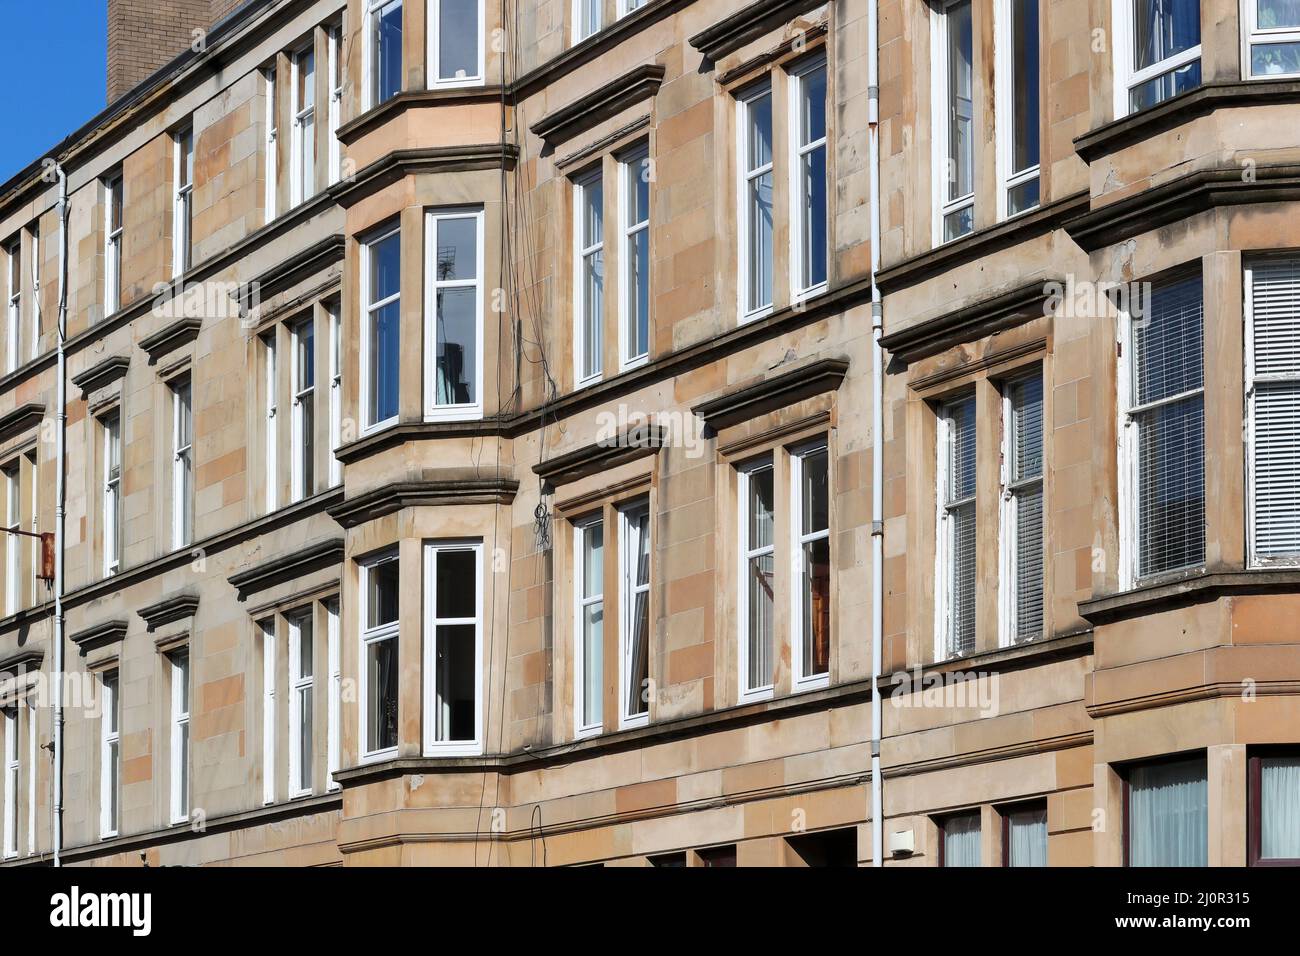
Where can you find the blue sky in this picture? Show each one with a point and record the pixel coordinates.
(50, 105)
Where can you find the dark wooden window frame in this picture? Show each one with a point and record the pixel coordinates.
(1005, 811)
(1255, 803)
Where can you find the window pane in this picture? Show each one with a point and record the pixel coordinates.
(961, 840)
(760, 242)
(1162, 87)
(304, 625)
(1280, 808)
(1168, 345)
(1022, 197)
(385, 267)
(455, 680)
(639, 623)
(457, 334)
(456, 584)
(638, 338)
(1024, 52)
(1163, 28)
(760, 508)
(961, 157)
(814, 217)
(593, 560)
(761, 568)
(1273, 59)
(759, 150)
(1171, 486)
(381, 599)
(1274, 14)
(381, 691)
(388, 52)
(305, 742)
(817, 607)
(815, 491)
(457, 249)
(458, 39)
(1029, 563)
(1167, 814)
(385, 351)
(593, 638)
(184, 755)
(1027, 836)
(114, 766)
(961, 450)
(962, 587)
(306, 338)
(812, 106)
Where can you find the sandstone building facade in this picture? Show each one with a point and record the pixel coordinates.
(661, 433)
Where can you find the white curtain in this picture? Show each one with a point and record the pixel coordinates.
(1168, 823)
(1280, 808)
(961, 841)
(1027, 835)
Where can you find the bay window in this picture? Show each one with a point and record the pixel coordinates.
(589, 278)
(1157, 50)
(454, 314)
(953, 168)
(808, 125)
(1022, 577)
(756, 604)
(589, 624)
(456, 47)
(1166, 817)
(1273, 410)
(381, 345)
(453, 649)
(810, 481)
(634, 619)
(634, 258)
(955, 583)
(1162, 401)
(379, 627)
(1016, 85)
(755, 200)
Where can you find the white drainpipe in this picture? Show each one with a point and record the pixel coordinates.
(877, 441)
(59, 494)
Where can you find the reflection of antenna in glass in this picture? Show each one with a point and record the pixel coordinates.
(446, 262)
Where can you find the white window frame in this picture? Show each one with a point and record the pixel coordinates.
(434, 63)
(433, 747)
(368, 309)
(626, 7)
(939, 90)
(801, 287)
(300, 685)
(632, 166)
(1126, 78)
(584, 249)
(1128, 446)
(179, 783)
(1005, 91)
(182, 202)
(14, 304)
(1253, 381)
(110, 752)
(267, 629)
(746, 693)
(745, 176)
(334, 55)
(12, 771)
(944, 623)
(334, 692)
(366, 637)
(270, 353)
(304, 450)
(1252, 34)
(579, 31)
(35, 252)
(182, 457)
(629, 554)
(1009, 512)
(114, 195)
(799, 540)
(464, 411)
(111, 425)
(13, 522)
(303, 145)
(272, 177)
(31, 773)
(336, 391)
(582, 725)
(372, 10)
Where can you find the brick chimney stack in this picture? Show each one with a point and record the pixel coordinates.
(145, 35)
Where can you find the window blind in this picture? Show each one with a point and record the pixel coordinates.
(1274, 408)
(1025, 488)
(959, 517)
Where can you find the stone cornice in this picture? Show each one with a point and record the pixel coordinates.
(102, 373)
(1177, 110)
(971, 322)
(748, 24)
(632, 87)
(20, 419)
(436, 492)
(1190, 588)
(772, 393)
(300, 265)
(630, 446)
(1181, 198)
(1010, 232)
(171, 337)
(313, 557)
(169, 610)
(101, 635)
(25, 658)
(410, 161)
